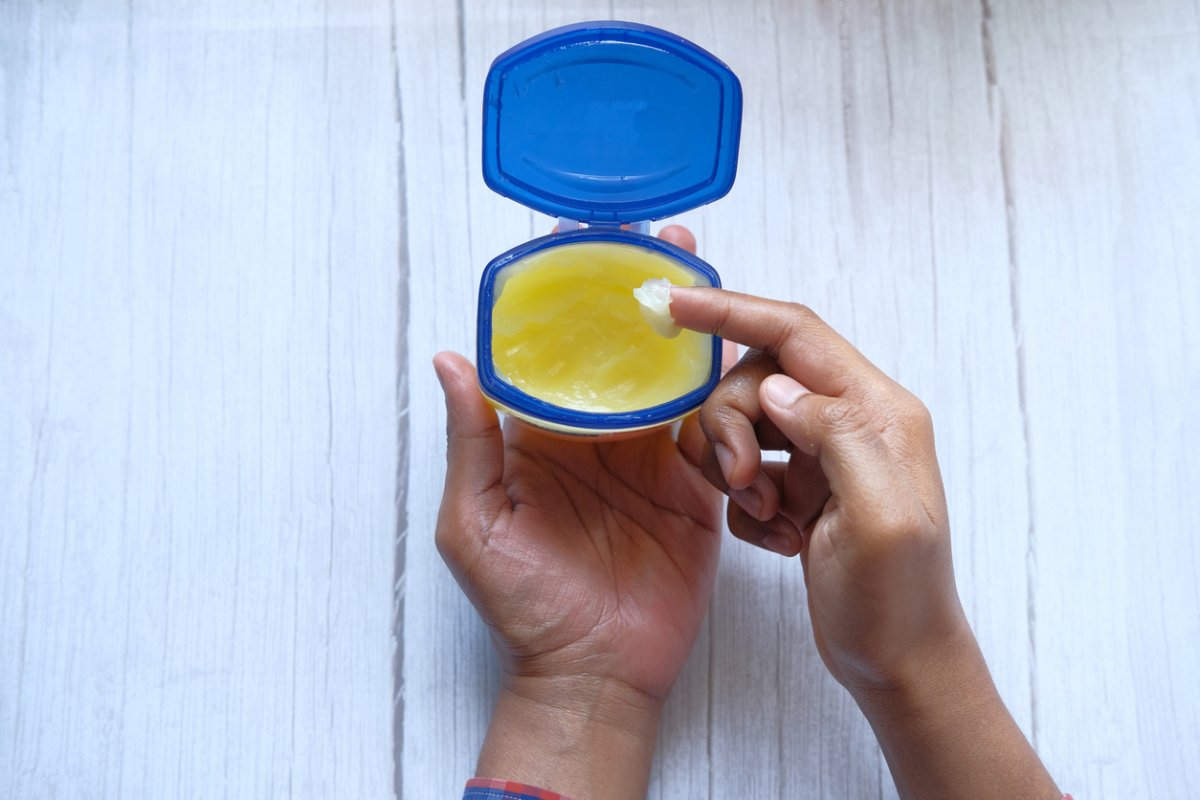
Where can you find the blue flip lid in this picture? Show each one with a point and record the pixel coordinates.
(610, 122)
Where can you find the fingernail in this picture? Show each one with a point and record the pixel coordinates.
(749, 500)
(778, 543)
(725, 459)
(782, 390)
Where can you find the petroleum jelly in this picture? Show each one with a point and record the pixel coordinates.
(654, 297)
(567, 329)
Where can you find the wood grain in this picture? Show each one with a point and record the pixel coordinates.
(198, 326)
(1100, 124)
(232, 236)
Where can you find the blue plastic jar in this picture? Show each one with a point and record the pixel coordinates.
(606, 126)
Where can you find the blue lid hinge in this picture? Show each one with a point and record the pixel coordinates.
(636, 227)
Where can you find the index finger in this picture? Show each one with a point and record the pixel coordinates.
(804, 345)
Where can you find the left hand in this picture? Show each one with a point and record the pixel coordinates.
(591, 564)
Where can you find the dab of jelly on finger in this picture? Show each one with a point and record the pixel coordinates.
(654, 299)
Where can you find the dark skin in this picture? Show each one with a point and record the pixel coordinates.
(592, 563)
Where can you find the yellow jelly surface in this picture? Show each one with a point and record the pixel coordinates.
(567, 329)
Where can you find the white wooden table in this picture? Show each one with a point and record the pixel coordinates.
(232, 235)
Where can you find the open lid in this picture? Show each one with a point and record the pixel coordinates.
(610, 122)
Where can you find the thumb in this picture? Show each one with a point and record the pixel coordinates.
(474, 492)
(861, 470)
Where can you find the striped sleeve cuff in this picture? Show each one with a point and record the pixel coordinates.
(493, 789)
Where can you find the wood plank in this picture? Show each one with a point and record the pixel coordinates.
(447, 677)
(197, 350)
(1101, 120)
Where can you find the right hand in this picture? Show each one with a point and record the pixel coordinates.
(860, 498)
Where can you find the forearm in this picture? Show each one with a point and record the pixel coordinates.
(588, 740)
(947, 734)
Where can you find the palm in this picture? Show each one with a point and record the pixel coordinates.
(602, 560)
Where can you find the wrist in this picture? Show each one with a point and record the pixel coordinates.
(564, 734)
(948, 676)
(946, 732)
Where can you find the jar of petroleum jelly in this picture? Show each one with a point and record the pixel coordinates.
(606, 126)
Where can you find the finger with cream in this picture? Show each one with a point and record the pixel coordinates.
(654, 298)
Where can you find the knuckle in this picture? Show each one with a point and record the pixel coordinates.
(720, 416)
(739, 386)
(728, 417)
(724, 314)
(841, 415)
(801, 314)
(799, 318)
(915, 414)
(909, 419)
(806, 314)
